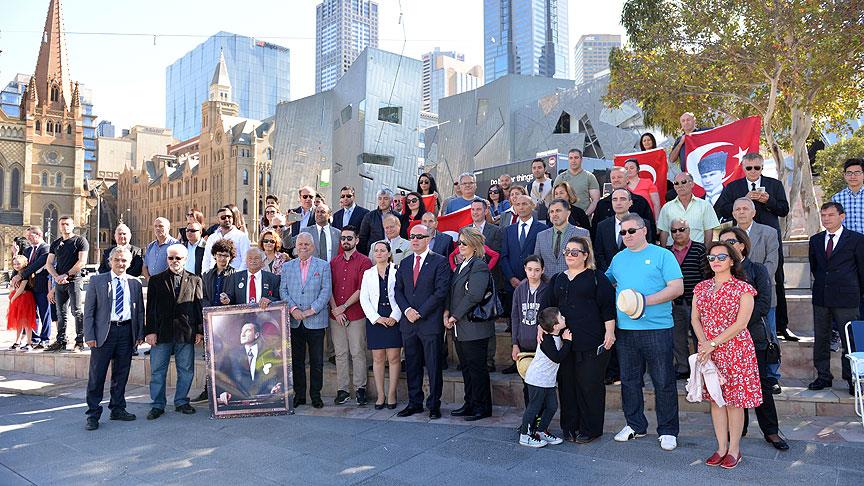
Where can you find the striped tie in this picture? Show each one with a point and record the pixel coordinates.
(118, 299)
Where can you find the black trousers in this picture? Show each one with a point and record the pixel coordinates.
(822, 317)
(582, 392)
(420, 350)
(780, 312)
(766, 413)
(542, 403)
(478, 391)
(301, 338)
(116, 351)
(70, 298)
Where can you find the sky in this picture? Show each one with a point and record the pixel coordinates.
(127, 72)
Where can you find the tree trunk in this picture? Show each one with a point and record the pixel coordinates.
(802, 199)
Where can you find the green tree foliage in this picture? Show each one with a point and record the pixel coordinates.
(829, 162)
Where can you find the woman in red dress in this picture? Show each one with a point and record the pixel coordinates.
(721, 311)
(21, 315)
(642, 186)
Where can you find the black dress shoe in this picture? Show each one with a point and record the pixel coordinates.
(391, 406)
(775, 389)
(299, 401)
(462, 411)
(122, 415)
(819, 384)
(778, 444)
(92, 423)
(185, 409)
(380, 406)
(317, 403)
(478, 416)
(509, 370)
(434, 414)
(200, 398)
(155, 413)
(583, 438)
(789, 336)
(409, 411)
(361, 397)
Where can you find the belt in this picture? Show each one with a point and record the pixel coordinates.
(120, 323)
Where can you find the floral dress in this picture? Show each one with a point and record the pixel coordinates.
(736, 358)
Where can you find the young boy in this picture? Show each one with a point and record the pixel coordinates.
(541, 376)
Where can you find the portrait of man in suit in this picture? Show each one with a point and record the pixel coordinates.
(250, 371)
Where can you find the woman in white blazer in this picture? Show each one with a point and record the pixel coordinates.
(383, 337)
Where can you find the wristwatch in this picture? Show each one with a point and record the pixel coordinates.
(713, 344)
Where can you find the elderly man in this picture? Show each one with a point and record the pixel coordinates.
(372, 227)
(583, 183)
(440, 243)
(227, 230)
(326, 237)
(253, 285)
(551, 242)
(155, 253)
(468, 184)
(66, 257)
(123, 239)
(306, 287)
(306, 195)
(399, 247)
(37, 255)
(690, 256)
(645, 342)
(640, 206)
(174, 325)
(699, 214)
(679, 151)
(113, 325)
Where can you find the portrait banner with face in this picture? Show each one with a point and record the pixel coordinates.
(652, 166)
(248, 354)
(714, 156)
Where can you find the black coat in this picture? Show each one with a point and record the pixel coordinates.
(172, 319)
(40, 282)
(837, 282)
(768, 213)
(640, 206)
(208, 281)
(758, 277)
(372, 229)
(467, 289)
(605, 244)
(136, 266)
(356, 218)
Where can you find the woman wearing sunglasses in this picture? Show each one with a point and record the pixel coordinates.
(426, 186)
(497, 202)
(269, 211)
(414, 209)
(722, 306)
(270, 242)
(586, 299)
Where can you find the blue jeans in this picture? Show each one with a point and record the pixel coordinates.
(773, 369)
(43, 310)
(638, 350)
(184, 362)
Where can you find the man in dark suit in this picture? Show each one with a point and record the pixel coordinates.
(769, 197)
(607, 241)
(421, 288)
(253, 368)
(174, 324)
(195, 247)
(307, 218)
(372, 226)
(113, 325)
(122, 237)
(253, 285)
(440, 243)
(351, 214)
(618, 179)
(519, 241)
(837, 265)
(37, 255)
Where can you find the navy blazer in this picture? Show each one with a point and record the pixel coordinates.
(512, 255)
(136, 266)
(605, 244)
(427, 297)
(40, 283)
(235, 287)
(768, 213)
(837, 280)
(355, 221)
(442, 244)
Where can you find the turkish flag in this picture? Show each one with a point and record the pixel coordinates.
(714, 156)
(450, 223)
(429, 202)
(652, 165)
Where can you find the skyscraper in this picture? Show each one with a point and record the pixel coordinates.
(528, 37)
(258, 70)
(446, 74)
(343, 28)
(591, 55)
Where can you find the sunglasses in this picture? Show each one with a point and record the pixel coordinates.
(418, 237)
(678, 230)
(192, 230)
(753, 167)
(631, 231)
(226, 216)
(461, 243)
(412, 200)
(279, 226)
(269, 241)
(719, 257)
(731, 241)
(574, 252)
(346, 196)
(680, 183)
(346, 238)
(424, 181)
(494, 191)
(190, 214)
(306, 196)
(174, 258)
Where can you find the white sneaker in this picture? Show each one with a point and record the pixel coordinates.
(529, 441)
(549, 438)
(668, 442)
(627, 434)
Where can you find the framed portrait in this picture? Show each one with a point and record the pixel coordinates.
(248, 351)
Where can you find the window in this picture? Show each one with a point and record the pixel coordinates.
(58, 179)
(49, 221)
(563, 125)
(68, 129)
(245, 207)
(269, 153)
(346, 114)
(49, 127)
(390, 114)
(245, 177)
(15, 188)
(44, 179)
(55, 93)
(38, 126)
(260, 179)
(2, 185)
(482, 110)
(269, 180)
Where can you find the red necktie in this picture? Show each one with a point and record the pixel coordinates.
(252, 292)
(830, 248)
(416, 269)
(513, 220)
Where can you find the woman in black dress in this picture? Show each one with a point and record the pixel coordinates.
(383, 337)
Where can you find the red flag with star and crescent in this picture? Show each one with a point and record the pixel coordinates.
(714, 156)
(652, 165)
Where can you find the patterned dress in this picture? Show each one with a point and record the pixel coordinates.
(736, 358)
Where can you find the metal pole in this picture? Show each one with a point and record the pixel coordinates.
(98, 214)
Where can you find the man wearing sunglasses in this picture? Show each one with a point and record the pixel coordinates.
(689, 255)
(350, 213)
(307, 197)
(227, 230)
(195, 247)
(698, 213)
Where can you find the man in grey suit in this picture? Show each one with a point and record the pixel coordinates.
(551, 241)
(113, 325)
(329, 248)
(306, 288)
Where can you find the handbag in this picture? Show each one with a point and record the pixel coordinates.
(772, 352)
(490, 307)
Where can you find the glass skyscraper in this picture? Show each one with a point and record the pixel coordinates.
(343, 28)
(528, 37)
(258, 70)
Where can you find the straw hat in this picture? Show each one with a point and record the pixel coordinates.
(523, 361)
(631, 303)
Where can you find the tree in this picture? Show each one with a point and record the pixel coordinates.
(829, 162)
(796, 63)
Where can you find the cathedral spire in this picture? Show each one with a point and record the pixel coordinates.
(220, 85)
(53, 85)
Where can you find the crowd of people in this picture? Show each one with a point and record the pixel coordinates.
(597, 289)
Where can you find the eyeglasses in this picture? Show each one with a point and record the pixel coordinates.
(412, 200)
(418, 237)
(346, 196)
(174, 258)
(223, 255)
(854, 173)
(277, 226)
(226, 216)
(192, 230)
(306, 196)
(678, 230)
(461, 243)
(574, 252)
(467, 183)
(753, 167)
(719, 257)
(631, 231)
(731, 241)
(346, 238)
(494, 191)
(680, 183)
(190, 214)
(268, 241)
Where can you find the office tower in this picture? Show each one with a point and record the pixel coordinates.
(446, 74)
(591, 55)
(343, 28)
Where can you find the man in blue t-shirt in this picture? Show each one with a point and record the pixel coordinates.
(468, 186)
(646, 342)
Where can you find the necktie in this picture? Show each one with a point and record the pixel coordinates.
(32, 254)
(619, 240)
(251, 357)
(540, 192)
(251, 367)
(752, 186)
(252, 291)
(118, 298)
(322, 243)
(830, 248)
(522, 235)
(416, 269)
(513, 219)
(557, 247)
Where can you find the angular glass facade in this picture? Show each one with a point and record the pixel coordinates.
(343, 28)
(259, 73)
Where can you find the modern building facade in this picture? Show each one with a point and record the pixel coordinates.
(447, 74)
(343, 28)
(527, 37)
(259, 72)
(12, 94)
(363, 132)
(591, 55)
(105, 129)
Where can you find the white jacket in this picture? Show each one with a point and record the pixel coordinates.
(370, 291)
(704, 376)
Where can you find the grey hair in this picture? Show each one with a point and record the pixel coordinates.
(119, 250)
(753, 156)
(467, 174)
(258, 251)
(179, 248)
(745, 200)
(635, 218)
(629, 194)
(165, 221)
(384, 191)
(304, 236)
(122, 226)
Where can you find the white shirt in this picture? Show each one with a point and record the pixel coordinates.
(836, 237)
(538, 195)
(480, 226)
(422, 258)
(304, 221)
(127, 302)
(254, 349)
(462, 266)
(346, 214)
(190, 257)
(617, 228)
(527, 227)
(327, 237)
(258, 285)
(750, 183)
(241, 244)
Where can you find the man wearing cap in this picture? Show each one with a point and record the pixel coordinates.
(698, 213)
(647, 279)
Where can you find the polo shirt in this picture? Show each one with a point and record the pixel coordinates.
(581, 184)
(346, 276)
(699, 214)
(156, 255)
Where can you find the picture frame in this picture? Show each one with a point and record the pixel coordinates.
(235, 388)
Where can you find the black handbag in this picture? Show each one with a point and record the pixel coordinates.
(772, 352)
(490, 307)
